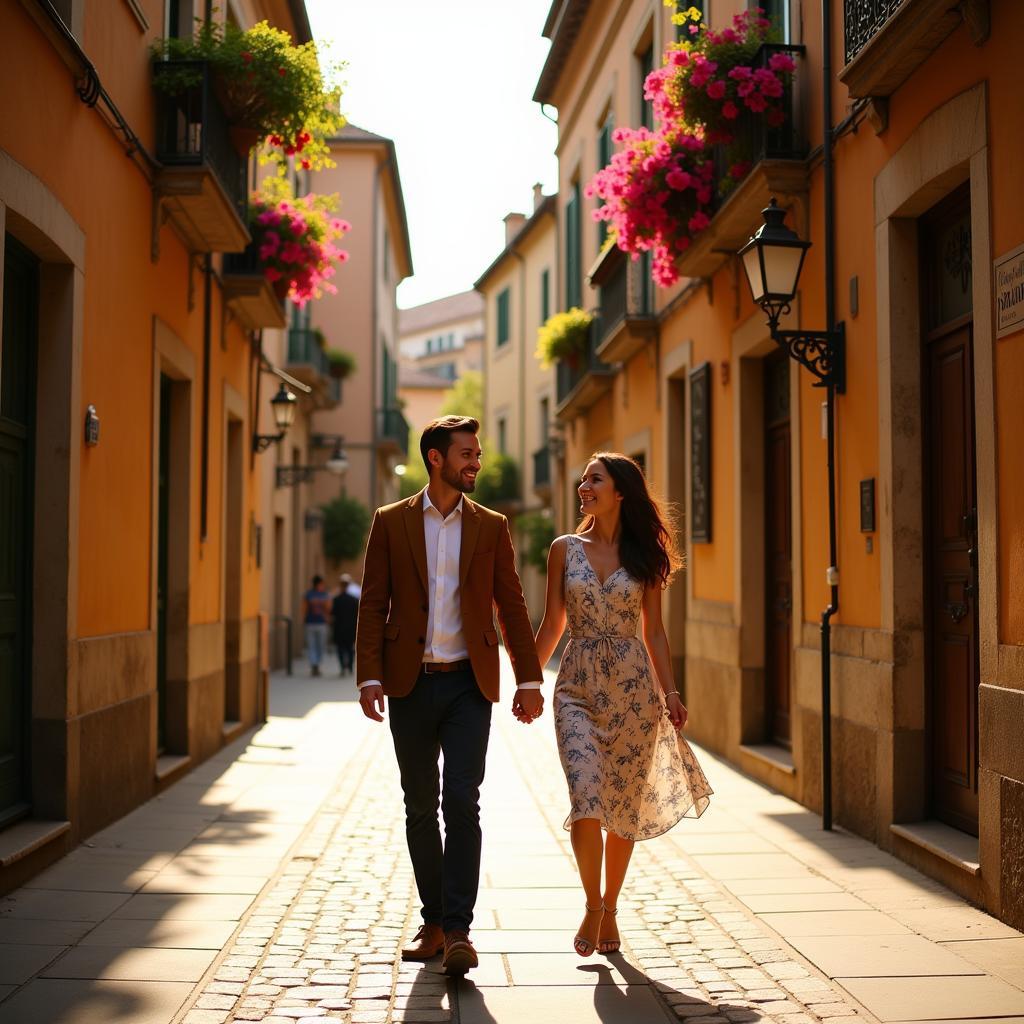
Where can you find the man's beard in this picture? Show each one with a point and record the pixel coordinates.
(455, 479)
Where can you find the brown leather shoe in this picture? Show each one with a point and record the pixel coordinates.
(429, 941)
(459, 954)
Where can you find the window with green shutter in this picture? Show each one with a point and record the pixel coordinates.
(604, 158)
(573, 283)
(545, 296)
(646, 61)
(502, 312)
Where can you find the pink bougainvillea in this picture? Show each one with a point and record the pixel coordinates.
(296, 243)
(658, 190)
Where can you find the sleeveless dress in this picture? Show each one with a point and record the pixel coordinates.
(624, 762)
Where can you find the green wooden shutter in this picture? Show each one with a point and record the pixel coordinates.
(503, 325)
(604, 157)
(573, 289)
(545, 296)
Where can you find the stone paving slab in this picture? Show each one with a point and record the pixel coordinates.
(328, 897)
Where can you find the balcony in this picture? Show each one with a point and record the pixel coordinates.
(887, 40)
(626, 305)
(778, 167)
(579, 385)
(307, 362)
(248, 293)
(202, 183)
(542, 472)
(393, 432)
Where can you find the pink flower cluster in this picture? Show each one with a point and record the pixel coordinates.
(658, 189)
(657, 194)
(296, 245)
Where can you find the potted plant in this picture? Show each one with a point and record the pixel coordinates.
(271, 89)
(563, 337)
(340, 364)
(296, 243)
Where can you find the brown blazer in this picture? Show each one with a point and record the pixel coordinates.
(392, 626)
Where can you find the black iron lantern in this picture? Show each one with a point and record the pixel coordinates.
(337, 464)
(773, 259)
(283, 405)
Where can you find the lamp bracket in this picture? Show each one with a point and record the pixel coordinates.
(821, 352)
(290, 476)
(261, 442)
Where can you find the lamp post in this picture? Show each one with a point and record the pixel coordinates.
(772, 260)
(283, 406)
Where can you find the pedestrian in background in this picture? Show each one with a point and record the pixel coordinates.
(344, 611)
(316, 604)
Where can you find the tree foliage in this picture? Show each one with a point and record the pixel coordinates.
(538, 531)
(346, 524)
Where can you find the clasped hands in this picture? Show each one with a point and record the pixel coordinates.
(526, 705)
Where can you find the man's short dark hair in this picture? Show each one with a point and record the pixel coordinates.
(438, 434)
(317, 580)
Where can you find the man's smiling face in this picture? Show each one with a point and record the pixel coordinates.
(462, 463)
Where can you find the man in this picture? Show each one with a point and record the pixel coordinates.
(436, 566)
(315, 605)
(344, 609)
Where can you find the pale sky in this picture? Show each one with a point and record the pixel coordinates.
(451, 81)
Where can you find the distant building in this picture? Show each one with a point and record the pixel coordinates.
(444, 339)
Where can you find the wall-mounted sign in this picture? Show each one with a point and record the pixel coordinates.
(1008, 277)
(700, 454)
(867, 506)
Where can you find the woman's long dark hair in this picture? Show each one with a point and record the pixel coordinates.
(647, 547)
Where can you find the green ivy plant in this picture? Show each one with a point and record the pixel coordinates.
(267, 85)
(563, 337)
(497, 481)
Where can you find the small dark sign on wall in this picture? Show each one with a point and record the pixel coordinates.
(867, 506)
(700, 454)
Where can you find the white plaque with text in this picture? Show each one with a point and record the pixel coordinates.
(1009, 284)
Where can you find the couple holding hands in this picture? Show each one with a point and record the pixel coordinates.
(437, 566)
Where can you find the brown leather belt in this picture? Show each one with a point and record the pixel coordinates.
(430, 667)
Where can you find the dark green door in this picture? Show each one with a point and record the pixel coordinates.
(161, 561)
(17, 409)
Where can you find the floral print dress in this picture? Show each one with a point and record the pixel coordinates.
(624, 762)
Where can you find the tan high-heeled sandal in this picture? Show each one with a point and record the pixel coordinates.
(607, 946)
(584, 947)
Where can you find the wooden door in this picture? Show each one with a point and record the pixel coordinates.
(163, 541)
(778, 549)
(17, 414)
(951, 529)
(950, 511)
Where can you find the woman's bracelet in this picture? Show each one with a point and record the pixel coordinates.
(671, 693)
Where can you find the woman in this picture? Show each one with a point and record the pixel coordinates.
(628, 769)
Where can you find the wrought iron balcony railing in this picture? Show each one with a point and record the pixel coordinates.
(863, 20)
(754, 139)
(192, 128)
(570, 374)
(304, 349)
(393, 428)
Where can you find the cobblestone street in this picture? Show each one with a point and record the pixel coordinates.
(272, 884)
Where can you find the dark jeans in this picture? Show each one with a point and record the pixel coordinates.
(346, 653)
(444, 714)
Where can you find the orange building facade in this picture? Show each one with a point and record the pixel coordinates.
(130, 365)
(927, 670)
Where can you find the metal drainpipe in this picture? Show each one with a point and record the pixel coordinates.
(830, 320)
(204, 472)
(374, 433)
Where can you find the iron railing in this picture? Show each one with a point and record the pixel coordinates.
(542, 467)
(304, 349)
(626, 292)
(863, 20)
(393, 426)
(246, 262)
(192, 129)
(754, 139)
(570, 372)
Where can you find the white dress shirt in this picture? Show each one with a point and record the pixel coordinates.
(443, 538)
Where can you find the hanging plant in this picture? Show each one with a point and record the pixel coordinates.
(340, 364)
(272, 91)
(296, 243)
(563, 337)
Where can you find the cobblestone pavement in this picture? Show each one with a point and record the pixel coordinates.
(273, 885)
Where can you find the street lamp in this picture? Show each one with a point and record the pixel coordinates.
(289, 476)
(772, 260)
(283, 406)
